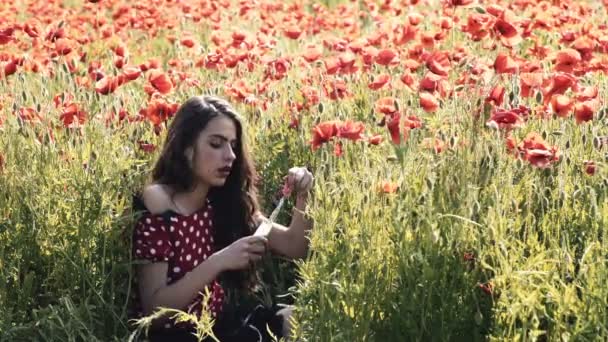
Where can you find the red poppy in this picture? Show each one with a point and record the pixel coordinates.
(72, 115)
(6, 35)
(537, 152)
(386, 57)
(394, 127)
(388, 187)
(312, 53)
(293, 32)
(311, 95)
(439, 63)
(146, 147)
(504, 64)
(8, 68)
(323, 132)
(107, 85)
(187, 42)
(338, 151)
(559, 84)
(507, 33)
(379, 82)
(29, 114)
(584, 111)
(63, 46)
(160, 81)
(496, 96)
(529, 81)
(487, 288)
(561, 105)
(158, 111)
(505, 119)
(566, 60)
(435, 144)
(590, 167)
(336, 89)
(350, 130)
(428, 102)
(385, 105)
(131, 73)
(375, 140)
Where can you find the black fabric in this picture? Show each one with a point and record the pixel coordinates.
(138, 205)
(233, 327)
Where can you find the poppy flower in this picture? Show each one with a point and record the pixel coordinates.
(312, 53)
(72, 115)
(63, 46)
(587, 93)
(435, 144)
(528, 81)
(375, 139)
(386, 57)
(388, 187)
(385, 105)
(160, 81)
(146, 147)
(394, 127)
(350, 130)
(504, 64)
(561, 105)
(505, 119)
(187, 42)
(323, 132)
(107, 85)
(559, 84)
(131, 73)
(537, 152)
(487, 288)
(566, 60)
(439, 63)
(336, 89)
(338, 151)
(507, 33)
(158, 111)
(496, 96)
(293, 32)
(379, 82)
(29, 114)
(430, 82)
(6, 35)
(428, 102)
(590, 167)
(8, 68)
(584, 111)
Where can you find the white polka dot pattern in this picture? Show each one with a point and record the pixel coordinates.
(186, 243)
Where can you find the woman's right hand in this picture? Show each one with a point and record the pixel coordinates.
(242, 252)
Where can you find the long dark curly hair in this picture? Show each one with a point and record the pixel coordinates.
(236, 201)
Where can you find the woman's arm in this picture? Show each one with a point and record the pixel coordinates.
(155, 293)
(291, 241)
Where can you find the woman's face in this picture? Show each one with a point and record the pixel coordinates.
(214, 153)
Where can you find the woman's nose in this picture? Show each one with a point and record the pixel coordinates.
(230, 155)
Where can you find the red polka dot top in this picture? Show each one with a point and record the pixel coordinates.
(183, 242)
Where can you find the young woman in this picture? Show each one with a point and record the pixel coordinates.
(199, 212)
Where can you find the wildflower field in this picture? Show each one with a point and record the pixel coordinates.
(459, 149)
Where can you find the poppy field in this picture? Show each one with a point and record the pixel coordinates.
(459, 149)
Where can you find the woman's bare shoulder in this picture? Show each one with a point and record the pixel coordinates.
(157, 198)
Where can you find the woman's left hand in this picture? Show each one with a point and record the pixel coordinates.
(300, 180)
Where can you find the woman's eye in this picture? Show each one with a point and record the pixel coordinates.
(215, 145)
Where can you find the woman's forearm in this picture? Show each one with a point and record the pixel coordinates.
(299, 226)
(181, 293)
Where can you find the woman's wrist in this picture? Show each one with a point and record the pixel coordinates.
(215, 261)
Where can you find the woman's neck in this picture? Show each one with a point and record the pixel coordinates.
(190, 201)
